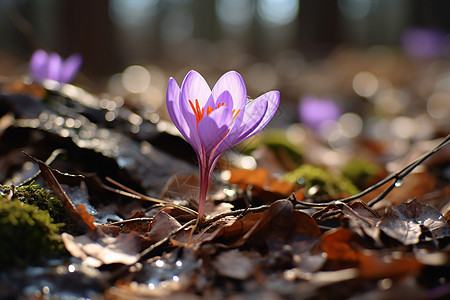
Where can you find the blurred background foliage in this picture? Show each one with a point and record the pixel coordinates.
(362, 69)
(219, 33)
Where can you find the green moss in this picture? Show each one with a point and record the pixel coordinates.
(33, 194)
(27, 234)
(360, 171)
(286, 152)
(324, 182)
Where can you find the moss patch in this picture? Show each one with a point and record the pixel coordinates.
(27, 234)
(360, 171)
(33, 194)
(324, 182)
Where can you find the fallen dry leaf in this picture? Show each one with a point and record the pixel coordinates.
(338, 244)
(413, 222)
(162, 225)
(262, 183)
(79, 215)
(96, 250)
(284, 225)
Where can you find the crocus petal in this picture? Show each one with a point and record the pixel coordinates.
(38, 65)
(179, 118)
(213, 128)
(233, 83)
(70, 68)
(226, 99)
(253, 115)
(195, 87)
(257, 114)
(172, 100)
(273, 100)
(54, 67)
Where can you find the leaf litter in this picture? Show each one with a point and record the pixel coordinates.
(265, 237)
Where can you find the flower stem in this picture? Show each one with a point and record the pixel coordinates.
(205, 178)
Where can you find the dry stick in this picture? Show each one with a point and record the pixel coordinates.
(136, 195)
(398, 176)
(130, 221)
(165, 240)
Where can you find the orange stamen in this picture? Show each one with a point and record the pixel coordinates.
(235, 115)
(198, 112)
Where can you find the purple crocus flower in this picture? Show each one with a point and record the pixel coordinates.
(314, 111)
(45, 65)
(213, 121)
(424, 42)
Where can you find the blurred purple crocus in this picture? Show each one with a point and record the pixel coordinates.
(213, 121)
(314, 111)
(425, 43)
(45, 65)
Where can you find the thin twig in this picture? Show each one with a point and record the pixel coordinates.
(129, 221)
(236, 213)
(164, 240)
(136, 195)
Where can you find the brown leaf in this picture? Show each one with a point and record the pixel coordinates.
(234, 232)
(84, 214)
(337, 244)
(412, 222)
(162, 225)
(284, 225)
(262, 183)
(342, 252)
(79, 215)
(363, 220)
(258, 177)
(357, 212)
(96, 250)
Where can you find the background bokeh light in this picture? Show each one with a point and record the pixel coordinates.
(384, 65)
